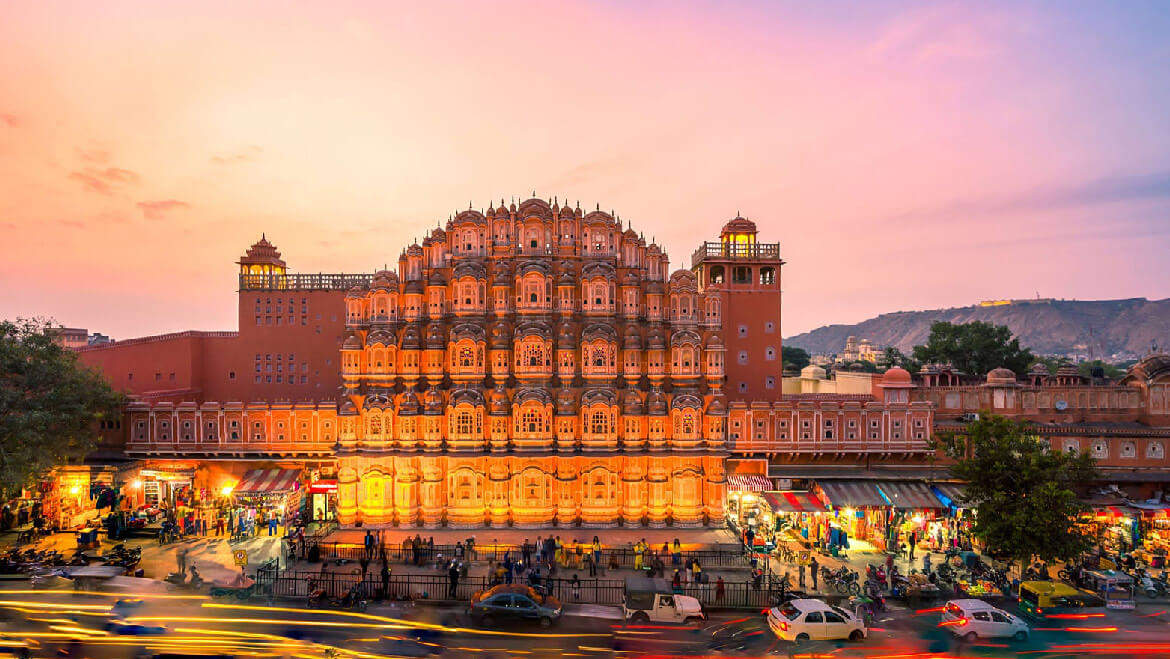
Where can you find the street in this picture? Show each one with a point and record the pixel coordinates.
(161, 621)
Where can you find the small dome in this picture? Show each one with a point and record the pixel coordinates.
(739, 224)
(632, 341)
(1001, 376)
(812, 371)
(352, 342)
(409, 404)
(414, 286)
(435, 336)
(632, 404)
(436, 278)
(1038, 369)
(715, 341)
(656, 402)
(896, 376)
(566, 402)
(717, 406)
(434, 402)
(1068, 371)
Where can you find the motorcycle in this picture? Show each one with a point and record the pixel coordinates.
(1150, 586)
(1037, 572)
(351, 600)
(877, 575)
(317, 596)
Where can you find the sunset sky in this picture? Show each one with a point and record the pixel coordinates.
(905, 155)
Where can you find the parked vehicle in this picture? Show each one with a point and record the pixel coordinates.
(813, 620)
(1039, 599)
(515, 603)
(970, 619)
(653, 600)
(351, 600)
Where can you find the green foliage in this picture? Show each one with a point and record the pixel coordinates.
(1022, 491)
(794, 357)
(892, 357)
(49, 404)
(859, 365)
(974, 348)
(1111, 371)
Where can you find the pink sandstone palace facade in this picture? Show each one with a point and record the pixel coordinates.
(536, 365)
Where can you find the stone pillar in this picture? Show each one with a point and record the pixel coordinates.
(568, 492)
(406, 483)
(432, 499)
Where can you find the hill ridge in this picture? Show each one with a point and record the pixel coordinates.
(1123, 327)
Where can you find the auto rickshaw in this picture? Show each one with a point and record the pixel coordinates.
(1041, 599)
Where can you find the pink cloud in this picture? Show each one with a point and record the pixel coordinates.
(104, 181)
(160, 210)
(11, 120)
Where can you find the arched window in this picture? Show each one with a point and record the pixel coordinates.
(717, 274)
(464, 423)
(688, 423)
(466, 356)
(767, 276)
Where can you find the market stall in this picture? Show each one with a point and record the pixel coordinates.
(859, 512)
(1112, 524)
(263, 494)
(746, 507)
(915, 508)
(1154, 533)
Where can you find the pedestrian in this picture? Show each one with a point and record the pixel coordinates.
(181, 559)
(638, 555)
(218, 526)
(720, 589)
(575, 586)
(365, 563)
(580, 554)
(813, 566)
(676, 582)
(596, 550)
(272, 527)
(676, 553)
(800, 575)
(368, 542)
(592, 565)
(385, 579)
(540, 548)
(910, 541)
(696, 571)
(453, 581)
(526, 552)
(750, 539)
(926, 563)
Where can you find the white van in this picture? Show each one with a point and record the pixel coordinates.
(971, 619)
(812, 620)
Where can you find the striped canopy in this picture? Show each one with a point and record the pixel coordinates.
(748, 483)
(856, 494)
(794, 502)
(268, 481)
(910, 495)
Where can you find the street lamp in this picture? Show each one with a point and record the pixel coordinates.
(227, 490)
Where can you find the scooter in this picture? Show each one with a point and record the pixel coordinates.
(1150, 586)
(351, 600)
(185, 581)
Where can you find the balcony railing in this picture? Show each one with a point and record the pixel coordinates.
(303, 282)
(735, 251)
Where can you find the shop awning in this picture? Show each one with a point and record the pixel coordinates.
(323, 486)
(748, 483)
(950, 494)
(910, 495)
(853, 494)
(268, 481)
(794, 502)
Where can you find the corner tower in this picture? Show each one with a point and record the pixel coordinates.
(746, 273)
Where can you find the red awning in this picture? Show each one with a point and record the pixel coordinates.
(748, 483)
(794, 502)
(268, 481)
(322, 486)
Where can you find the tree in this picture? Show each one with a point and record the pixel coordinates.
(973, 348)
(892, 357)
(1021, 489)
(50, 404)
(795, 357)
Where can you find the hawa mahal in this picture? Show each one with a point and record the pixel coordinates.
(537, 365)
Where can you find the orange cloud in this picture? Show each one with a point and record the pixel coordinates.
(11, 120)
(159, 210)
(104, 181)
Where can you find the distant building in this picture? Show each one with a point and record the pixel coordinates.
(859, 351)
(69, 337)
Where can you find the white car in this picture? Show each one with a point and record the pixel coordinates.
(971, 619)
(813, 620)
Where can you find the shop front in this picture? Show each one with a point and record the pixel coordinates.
(799, 516)
(746, 508)
(264, 499)
(918, 516)
(1113, 525)
(952, 530)
(72, 497)
(859, 513)
(323, 500)
(1154, 533)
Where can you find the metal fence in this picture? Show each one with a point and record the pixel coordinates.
(298, 584)
(623, 557)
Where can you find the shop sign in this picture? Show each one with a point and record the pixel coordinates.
(240, 556)
(323, 486)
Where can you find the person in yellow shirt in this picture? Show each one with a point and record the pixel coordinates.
(639, 549)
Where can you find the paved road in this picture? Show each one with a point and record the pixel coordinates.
(88, 625)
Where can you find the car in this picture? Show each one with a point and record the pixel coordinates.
(128, 629)
(970, 619)
(813, 620)
(514, 602)
(652, 600)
